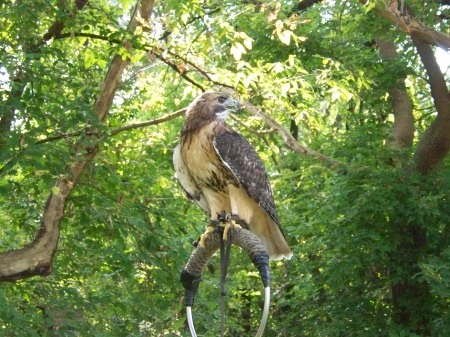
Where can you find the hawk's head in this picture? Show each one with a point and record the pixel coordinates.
(211, 106)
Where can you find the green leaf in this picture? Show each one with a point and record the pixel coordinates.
(370, 5)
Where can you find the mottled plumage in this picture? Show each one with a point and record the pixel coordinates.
(219, 169)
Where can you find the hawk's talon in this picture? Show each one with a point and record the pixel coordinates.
(231, 225)
(224, 223)
(209, 230)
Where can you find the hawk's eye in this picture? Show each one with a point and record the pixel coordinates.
(222, 99)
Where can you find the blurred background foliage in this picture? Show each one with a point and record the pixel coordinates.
(128, 229)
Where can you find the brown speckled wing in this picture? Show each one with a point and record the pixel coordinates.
(241, 158)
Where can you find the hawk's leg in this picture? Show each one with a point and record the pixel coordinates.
(209, 230)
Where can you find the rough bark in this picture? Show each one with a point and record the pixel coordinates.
(403, 128)
(36, 258)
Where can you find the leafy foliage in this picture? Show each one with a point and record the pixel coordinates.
(128, 229)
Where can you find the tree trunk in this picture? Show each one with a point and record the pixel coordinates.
(403, 128)
(435, 143)
(411, 298)
(408, 295)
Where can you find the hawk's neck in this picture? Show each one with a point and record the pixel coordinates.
(208, 129)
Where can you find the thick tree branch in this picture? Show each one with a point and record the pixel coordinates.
(36, 258)
(435, 143)
(438, 86)
(410, 25)
(403, 128)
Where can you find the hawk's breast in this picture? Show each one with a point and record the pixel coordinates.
(204, 164)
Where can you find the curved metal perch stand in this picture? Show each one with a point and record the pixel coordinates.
(191, 274)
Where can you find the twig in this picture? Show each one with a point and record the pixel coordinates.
(289, 140)
(114, 132)
(155, 50)
(159, 120)
(197, 68)
(177, 70)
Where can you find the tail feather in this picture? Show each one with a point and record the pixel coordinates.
(272, 238)
(260, 222)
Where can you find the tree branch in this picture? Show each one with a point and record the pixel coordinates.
(198, 69)
(198, 17)
(159, 120)
(438, 86)
(88, 35)
(435, 143)
(138, 125)
(304, 5)
(250, 129)
(288, 139)
(114, 132)
(410, 25)
(36, 258)
(157, 52)
(177, 70)
(403, 127)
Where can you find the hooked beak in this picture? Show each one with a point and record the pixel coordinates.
(237, 107)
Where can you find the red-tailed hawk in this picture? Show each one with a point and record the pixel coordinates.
(219, 169)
